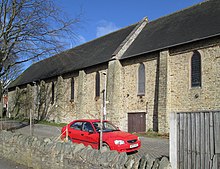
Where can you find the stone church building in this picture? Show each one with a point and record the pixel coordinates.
(149, 69)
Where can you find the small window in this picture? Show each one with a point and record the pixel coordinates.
(97, 85)
(72, 89)
(196, 69)
(87, 127)
(76, 126)
(141, 80)
(37, 96)
(52, 93)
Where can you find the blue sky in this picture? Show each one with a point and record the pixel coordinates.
(101, 16)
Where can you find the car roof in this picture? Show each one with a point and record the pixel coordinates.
(89, 120)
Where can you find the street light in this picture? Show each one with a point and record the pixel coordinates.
(103, 115)
(31, 130)
(104, 96)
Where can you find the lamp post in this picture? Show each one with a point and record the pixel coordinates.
(31, 129)
(104, 97)
(103, 113)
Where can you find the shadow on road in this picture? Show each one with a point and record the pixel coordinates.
(11, 125)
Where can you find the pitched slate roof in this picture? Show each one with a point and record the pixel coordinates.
(89, 54)
(197, 22)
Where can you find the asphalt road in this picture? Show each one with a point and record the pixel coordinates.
(7, 164)
(154, 147)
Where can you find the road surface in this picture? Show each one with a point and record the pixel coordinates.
(7, 164)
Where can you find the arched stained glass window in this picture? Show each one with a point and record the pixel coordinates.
(97, 84)
(52, 93)
(141, 80)
(72, 89)
(196, 69)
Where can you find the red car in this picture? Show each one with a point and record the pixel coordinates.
(88, 133)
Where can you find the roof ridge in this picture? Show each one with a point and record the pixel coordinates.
(129, 39)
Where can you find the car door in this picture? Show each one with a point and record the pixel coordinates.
(89, 135)
(74, 132)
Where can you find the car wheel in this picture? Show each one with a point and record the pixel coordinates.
(105, 147)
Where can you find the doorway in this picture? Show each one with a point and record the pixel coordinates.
(137, 122)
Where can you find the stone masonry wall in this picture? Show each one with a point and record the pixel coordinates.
(63, 109)
(114, 107)
(184, 98)
(132, 103)
(163, 118)
(33, 98)
(122, 95)
(48, 154)
(168, 90)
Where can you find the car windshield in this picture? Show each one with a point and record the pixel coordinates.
(107, 127)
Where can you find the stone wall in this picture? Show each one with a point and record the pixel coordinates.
(63, 109)
(122, 95)
(132, 102)
(115, 111)
(46, 153)
(167, 88)
(184, 98)
(163, 118)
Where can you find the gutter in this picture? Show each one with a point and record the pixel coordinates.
(170, 46)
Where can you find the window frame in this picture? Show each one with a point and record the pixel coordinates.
(196, 70)
(97, 85)
(72, 89)
(141, 83)
(77, 125)
(86, 129)
(52, 92)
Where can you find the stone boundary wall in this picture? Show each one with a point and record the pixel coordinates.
(45, 153)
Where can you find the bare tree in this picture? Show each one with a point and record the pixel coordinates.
(10, 75)
(31, 29)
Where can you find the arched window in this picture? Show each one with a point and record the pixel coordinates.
(72, 90)
(52, 93)
(196, 69)
(97, 84)
(141, 80)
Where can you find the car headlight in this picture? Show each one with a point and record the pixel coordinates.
(119, 142)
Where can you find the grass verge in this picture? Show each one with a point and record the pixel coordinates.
(153, 134)
(52, 123)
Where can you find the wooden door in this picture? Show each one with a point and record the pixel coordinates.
(136, 122)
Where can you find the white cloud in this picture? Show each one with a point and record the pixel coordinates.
(104, 27)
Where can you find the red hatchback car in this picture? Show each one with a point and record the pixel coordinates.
(88, 133)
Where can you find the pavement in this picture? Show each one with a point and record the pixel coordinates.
(154, 147)
(8, 164)
(40, 130)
